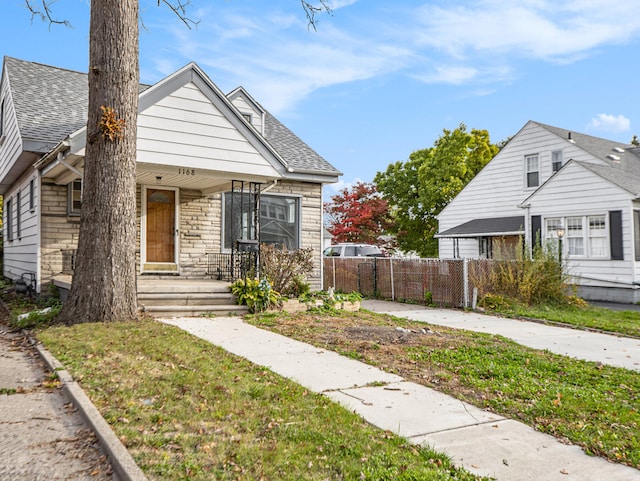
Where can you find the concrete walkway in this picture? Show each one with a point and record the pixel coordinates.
(482, 442)
(590, 346)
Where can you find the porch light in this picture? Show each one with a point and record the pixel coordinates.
(560, 232)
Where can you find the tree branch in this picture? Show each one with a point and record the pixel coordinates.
(312, 11)
(44, 12)
(179, 7)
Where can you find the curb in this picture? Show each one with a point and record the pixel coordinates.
(122, 462)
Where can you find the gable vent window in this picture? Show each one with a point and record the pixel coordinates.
(532, 165)
(247, 117)
(556, 160)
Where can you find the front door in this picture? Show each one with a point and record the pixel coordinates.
(161, 226)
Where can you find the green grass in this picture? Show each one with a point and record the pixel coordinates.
(188, 410)
(592, 405)
(622, 322)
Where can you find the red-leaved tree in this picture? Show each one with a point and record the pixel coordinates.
(358, 214)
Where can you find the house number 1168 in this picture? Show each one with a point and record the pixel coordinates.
(186, 171)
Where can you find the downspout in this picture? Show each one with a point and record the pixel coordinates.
(268, 188)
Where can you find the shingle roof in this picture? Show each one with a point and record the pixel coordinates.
(293, 150)
(490, 226)
(50, 102)
(61, 109)
(623, 169)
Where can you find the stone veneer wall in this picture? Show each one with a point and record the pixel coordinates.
(59, 232)
(200, 228)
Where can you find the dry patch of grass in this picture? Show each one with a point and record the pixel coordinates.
(589, 404)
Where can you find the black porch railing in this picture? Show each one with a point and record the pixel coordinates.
(231, 266)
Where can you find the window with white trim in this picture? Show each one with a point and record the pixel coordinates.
(551, 226)
(597, 231)
(556, 160)
(575, 236)
(74, 205)
(532, 168)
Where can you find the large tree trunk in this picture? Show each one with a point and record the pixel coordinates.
(104, 280)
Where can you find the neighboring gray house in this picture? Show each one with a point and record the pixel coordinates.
(195, 147)
(546, 178)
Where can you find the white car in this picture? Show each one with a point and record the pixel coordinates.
(353, 250)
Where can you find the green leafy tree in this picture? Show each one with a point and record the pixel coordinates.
(417, 190)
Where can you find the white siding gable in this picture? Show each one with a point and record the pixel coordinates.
(185, 129)
(11, 145)
(500, 187)
(247, 107)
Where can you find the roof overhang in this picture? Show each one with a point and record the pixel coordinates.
(488, 227)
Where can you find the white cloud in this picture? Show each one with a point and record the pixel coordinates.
(478, 43)
(610, 123)
(531, 29)
(332, 189)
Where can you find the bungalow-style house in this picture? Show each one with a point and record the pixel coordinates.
(549, 182)
(216, 174)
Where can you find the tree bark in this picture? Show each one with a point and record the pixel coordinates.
(104, 280)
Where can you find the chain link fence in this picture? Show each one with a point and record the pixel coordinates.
(442, 282)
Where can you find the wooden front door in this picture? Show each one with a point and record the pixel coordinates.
(161, 225)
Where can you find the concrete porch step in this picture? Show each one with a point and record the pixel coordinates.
(179, 297)
(186, 299)
(195, 311)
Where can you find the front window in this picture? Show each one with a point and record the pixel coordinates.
(575, 236)
(532, 164)
(551, 228)
(279, 219)
(74, 205)
(597, 236)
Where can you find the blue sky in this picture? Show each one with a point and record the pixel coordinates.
(380, 79)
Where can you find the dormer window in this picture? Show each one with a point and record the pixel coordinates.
(556, 160)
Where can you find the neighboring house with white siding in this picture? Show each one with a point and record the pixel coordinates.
(212, 169)
(546, 178)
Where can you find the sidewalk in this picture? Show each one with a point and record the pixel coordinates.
(590, 346)
(42, 436)
(482, 442)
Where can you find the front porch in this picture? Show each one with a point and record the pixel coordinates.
(176, 296)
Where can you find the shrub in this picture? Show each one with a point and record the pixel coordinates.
(286, 269)
(530, 279)
(257, 294)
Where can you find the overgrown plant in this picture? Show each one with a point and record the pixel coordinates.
(530, 279)
(257, 294)
(286, 268)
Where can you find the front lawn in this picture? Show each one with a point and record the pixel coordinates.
(589, 404)
(186, 409)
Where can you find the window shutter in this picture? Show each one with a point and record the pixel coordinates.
(536, 231)
(615, 234)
